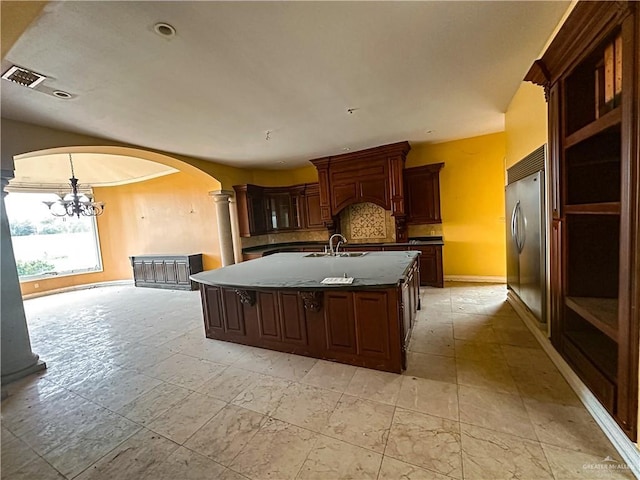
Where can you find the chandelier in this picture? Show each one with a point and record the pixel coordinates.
(75, 203)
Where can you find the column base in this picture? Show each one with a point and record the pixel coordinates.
(12, 377)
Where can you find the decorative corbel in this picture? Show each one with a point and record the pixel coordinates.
(247, 297)
(312, 300)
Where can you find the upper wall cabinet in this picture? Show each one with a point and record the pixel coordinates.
(422, 194)
(373, 175)
(312, 215)
(264, 210)
(284, 208)
(252, 210)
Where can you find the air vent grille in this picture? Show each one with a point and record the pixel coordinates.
(23, 77)
(532, 163)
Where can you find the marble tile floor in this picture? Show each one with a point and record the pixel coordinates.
(134, 390)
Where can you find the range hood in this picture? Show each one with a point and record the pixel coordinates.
(373, 175)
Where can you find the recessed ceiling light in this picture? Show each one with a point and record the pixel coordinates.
(61, 94)
(281, 162)
(429, 132)
(164, 29)
(346, 149)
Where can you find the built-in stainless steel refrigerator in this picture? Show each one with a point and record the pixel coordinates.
(526, 241)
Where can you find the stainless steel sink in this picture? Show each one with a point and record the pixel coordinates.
(342, 254)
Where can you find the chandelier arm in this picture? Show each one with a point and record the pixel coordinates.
(74, 206)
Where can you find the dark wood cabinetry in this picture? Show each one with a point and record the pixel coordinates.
(374, 175)
(166, 271)
(591, 80)
(284, 208)
(313, 215)
(430, 271)
(431, 266)
(368, 327)
(252, 210)
(264, 210)
(422, 194)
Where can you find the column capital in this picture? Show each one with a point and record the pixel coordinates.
(5, 181)
(221, 195)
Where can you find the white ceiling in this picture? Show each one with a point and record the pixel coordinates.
(236, 70)
(52, 172)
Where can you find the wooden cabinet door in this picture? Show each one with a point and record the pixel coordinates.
(257, 214)
(313, 214)
(268, 324)
(252, 210)
(339, 322)
(292, 318)
(556, 300)
(431, 266)
(343, 195)
(212, 306)
(233, 315)
(182, 273)
(372, 326)
(554, 149)
(149, 272)
(374, 190)
(422, 194)
(406, 315)
(138, 271)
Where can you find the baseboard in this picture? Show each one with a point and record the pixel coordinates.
(475, 279)
(85, 286)
(625, 447)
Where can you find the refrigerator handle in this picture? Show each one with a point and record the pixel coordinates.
(520, 234)
(514, 225)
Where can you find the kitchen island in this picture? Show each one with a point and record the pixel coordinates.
(278, 302)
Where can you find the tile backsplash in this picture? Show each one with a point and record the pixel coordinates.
(359, 223)
(367, 223)
(285, 237)
(434, 229)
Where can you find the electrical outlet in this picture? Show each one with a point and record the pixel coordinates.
(36, 285)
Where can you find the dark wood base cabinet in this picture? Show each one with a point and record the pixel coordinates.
(166, 271)
(367, 328)
(431, 266)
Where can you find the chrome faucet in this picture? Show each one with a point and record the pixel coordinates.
(342, 240)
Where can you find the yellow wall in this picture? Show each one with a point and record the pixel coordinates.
(169, 214)
(16, 16)
(472, 202)
(525, 122)
(278, 178)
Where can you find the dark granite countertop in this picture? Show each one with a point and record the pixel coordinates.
(299, 272)
(352, 246)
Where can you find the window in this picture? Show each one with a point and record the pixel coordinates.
(44, 245)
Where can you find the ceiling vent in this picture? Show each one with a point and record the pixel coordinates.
(23, 77)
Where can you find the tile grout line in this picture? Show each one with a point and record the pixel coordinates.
(34, 452)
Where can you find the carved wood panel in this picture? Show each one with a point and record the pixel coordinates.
(339, 322)
(268, 325)
(233, 315)
(212, 308)
(371, 327)
(292, 318)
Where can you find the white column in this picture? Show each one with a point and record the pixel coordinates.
(17, 358)
(235, 229)
(221, 199)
